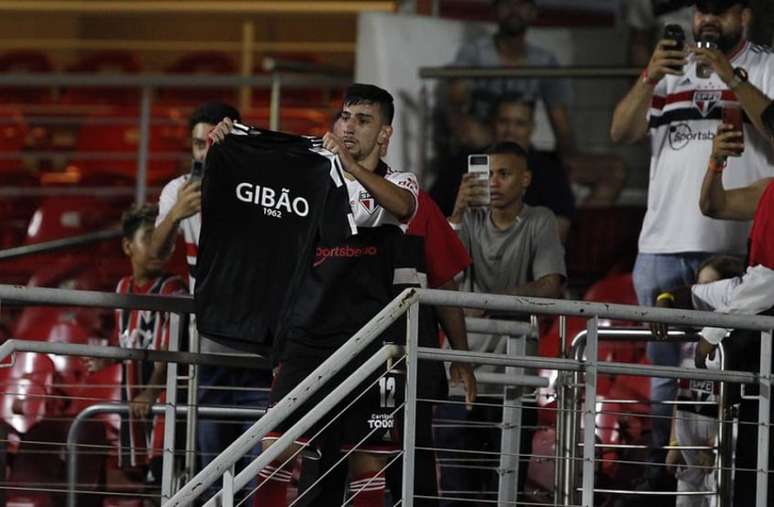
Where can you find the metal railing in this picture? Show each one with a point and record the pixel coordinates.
(408, 303)
(570, 400)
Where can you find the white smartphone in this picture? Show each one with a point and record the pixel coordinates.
(479, 165)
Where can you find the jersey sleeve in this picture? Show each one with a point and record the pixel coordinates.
(406, 181)
(445, 255)
(167, 200)
(548, 257)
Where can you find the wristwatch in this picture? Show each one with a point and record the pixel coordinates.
(740, 76)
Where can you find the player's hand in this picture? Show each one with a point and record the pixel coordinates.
(189, 200)
(704, 349)
(471, 187)
(221, 130)
(335, 145)
(463, 373)
(726, 143)
(658, 329)
(718, 60)
(665, 60)
(674, 459)
(140, 406)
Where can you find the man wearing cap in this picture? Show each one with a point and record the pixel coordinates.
(681, 112)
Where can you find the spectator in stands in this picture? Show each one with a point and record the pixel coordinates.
(516, 250)
(680, 110)
(647, 19)
(748, 293)
(514, 121)
(696, 422)
(471, 104)
(142, 435)
(179, 211)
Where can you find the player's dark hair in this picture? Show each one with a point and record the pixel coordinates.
(506, 148)
(360, 93)
(136, 218)
(212, 113)
(727, 266)
(513, 98)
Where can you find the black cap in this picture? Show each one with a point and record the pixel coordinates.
(718, 6)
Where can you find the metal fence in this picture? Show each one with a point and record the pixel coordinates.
(576, 458)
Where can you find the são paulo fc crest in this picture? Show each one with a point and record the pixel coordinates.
(367, 202)
(706, 100)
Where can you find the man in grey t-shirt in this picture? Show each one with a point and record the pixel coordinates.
(506, 48)
(516, 250)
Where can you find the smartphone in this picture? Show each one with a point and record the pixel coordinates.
(197, 170)
(479, 165)
(675, 33)
(732, 115)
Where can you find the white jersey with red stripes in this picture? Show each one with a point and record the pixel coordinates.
(684, 116)
(146, 330)
(190, 227)
(366, 211)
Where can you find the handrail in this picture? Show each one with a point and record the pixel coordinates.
(573, 71)
(59, 244)
(543, 306)
(501, 327)
(302, 392)
(123, 409)
(126, 354)
(94, 299)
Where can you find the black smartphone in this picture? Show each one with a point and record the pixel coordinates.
(675, 33)
(197, 170)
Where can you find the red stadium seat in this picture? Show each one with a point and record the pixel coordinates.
(297, 120)
(107, 151)
(25, 387)
(109, 61)
(201, 63)
(13, 137)
(29, 500)
(24, 62)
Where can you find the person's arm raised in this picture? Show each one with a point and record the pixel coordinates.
(630, 122)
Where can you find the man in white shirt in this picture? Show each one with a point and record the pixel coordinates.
(681, 112)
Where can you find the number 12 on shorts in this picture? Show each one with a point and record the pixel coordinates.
(387, 392)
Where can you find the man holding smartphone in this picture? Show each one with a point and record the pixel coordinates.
(516, 250)
(681, 112)
(179, 213)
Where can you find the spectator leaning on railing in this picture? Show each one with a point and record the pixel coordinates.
(695, 422)
(681, 110)
(141, 435)
(752, 293)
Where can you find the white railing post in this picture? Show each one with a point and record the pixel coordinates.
(510, 438)
(227, 500)
(410, 407)
(590, 412)
(178, 325)
(764, 405)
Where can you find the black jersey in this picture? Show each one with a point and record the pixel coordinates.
(266, 201)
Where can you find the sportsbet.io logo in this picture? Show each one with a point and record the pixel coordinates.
(682, 134)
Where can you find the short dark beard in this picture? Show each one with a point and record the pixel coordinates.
(727, 41)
